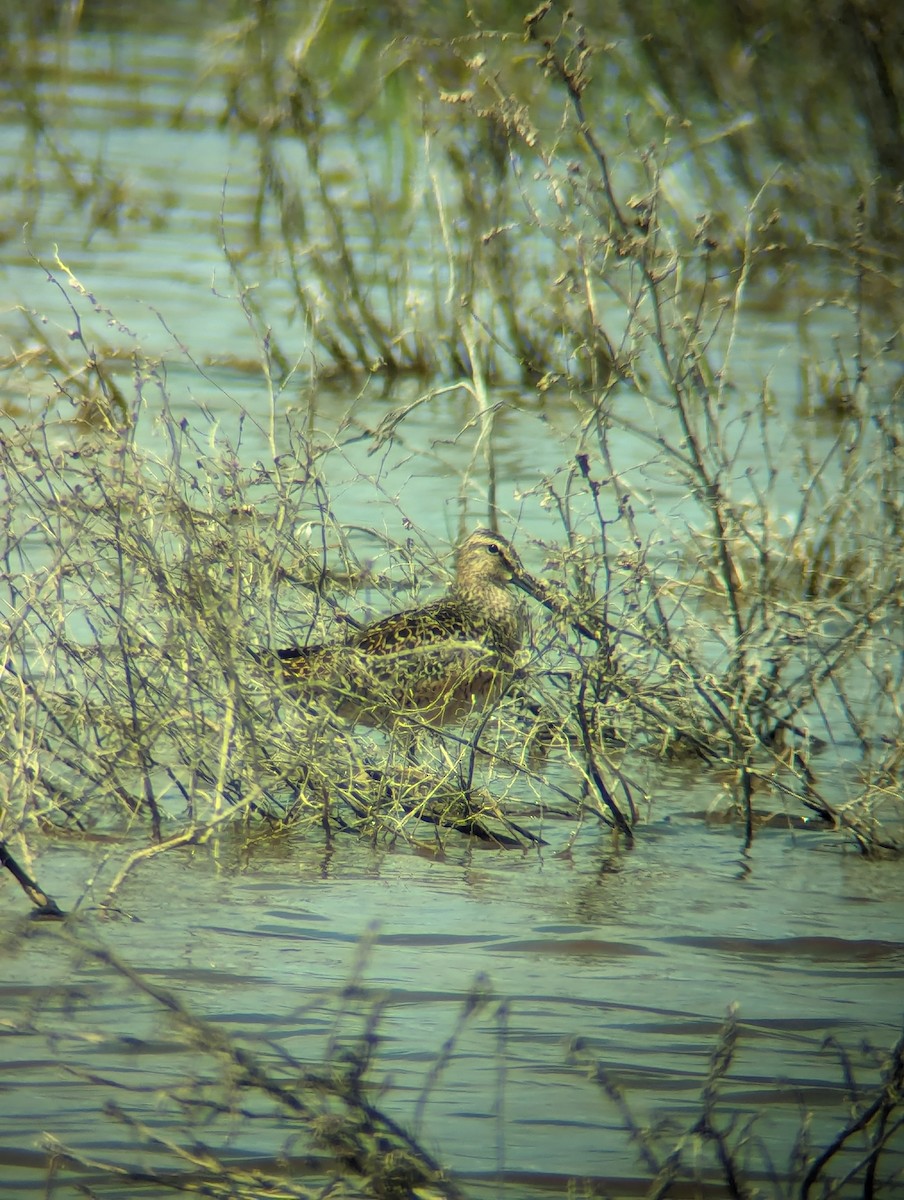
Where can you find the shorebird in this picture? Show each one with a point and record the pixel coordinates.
(436, 663)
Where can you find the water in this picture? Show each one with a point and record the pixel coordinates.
(629, 959)
(624, 957)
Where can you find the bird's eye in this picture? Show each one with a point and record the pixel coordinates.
(493, 548)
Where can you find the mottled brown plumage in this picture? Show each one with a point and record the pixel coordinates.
(436, 663)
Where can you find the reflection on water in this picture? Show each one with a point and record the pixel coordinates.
(629, 961)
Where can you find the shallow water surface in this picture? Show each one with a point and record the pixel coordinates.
(626, 959)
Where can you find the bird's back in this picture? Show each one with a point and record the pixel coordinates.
(441, 659)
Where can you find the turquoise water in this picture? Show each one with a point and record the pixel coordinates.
(626, 959)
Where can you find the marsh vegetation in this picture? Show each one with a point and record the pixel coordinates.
(530, 256)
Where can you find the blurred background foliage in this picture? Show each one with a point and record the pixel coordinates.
(746, 88)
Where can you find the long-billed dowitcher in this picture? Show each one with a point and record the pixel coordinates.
(436, 663)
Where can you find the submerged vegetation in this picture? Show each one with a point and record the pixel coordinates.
(722, 555)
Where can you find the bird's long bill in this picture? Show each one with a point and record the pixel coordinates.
(526, 582)
(558, 604)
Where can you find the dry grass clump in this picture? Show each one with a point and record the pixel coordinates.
(144, 569)
(143, 563)
(138, 590)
